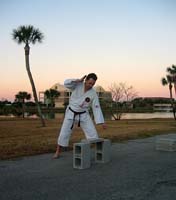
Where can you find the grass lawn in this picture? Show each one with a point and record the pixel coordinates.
(21, 137)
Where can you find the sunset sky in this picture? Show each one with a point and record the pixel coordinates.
(129, 41)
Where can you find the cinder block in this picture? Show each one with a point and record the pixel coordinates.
(81, 155)
(103, 151)
(166, 144)
(92, 140)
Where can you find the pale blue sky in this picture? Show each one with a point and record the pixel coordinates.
(130, 41)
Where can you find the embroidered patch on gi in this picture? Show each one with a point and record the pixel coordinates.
(87, 99)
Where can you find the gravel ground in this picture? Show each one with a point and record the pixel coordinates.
(137, 171)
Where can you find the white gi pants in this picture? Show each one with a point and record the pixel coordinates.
(86, 124)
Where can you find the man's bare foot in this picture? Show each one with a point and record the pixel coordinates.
(56, 155)
(58, 151)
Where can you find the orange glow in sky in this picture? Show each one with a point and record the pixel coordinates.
(121, 41)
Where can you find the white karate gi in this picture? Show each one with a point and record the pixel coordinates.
(80, 101)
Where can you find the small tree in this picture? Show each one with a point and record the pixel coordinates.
(122, 95)
(27, 35)
(50, 95)
(21, 97)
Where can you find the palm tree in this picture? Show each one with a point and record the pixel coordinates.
(169, 81)
(27, 35)
(21, 97)
(51, 94)
(172, 72)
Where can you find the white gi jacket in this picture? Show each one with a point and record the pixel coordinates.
(81, 101)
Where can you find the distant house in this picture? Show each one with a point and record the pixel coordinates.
(63, 98)
(65, 94)
(102, 93)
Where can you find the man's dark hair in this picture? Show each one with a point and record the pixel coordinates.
(91, 75)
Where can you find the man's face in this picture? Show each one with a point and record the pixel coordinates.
(89, 83)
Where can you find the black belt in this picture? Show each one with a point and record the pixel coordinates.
(76, 113)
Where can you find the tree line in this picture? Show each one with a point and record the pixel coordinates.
(22, 103)
(112, 107)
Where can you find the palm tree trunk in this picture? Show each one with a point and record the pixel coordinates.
(23, 109)
(27, 49)
(172, 101)
(175, 88)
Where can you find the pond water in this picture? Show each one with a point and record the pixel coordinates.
(147, 115)
(124, 115)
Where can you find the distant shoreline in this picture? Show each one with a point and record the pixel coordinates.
(133, 115)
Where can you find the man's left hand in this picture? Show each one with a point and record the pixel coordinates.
(104, 126)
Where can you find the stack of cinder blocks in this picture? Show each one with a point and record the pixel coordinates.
(82, 152)
(166, 144)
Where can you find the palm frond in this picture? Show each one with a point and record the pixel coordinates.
(169, 78)
(27, 34)
(164, 81)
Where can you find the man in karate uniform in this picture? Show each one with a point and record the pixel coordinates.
(82, 98)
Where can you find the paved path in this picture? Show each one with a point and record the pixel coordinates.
(136, 172)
